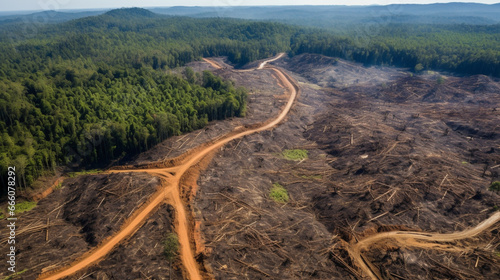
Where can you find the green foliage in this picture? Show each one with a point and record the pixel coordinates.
(310, 177)
(495, 186)
(92, 90)
(1, 215)
(171, 246)
(15, 275)
(24, 206)
(465, 49)
(84, 172)
(278, 193)
(419, 67)
(296, 154)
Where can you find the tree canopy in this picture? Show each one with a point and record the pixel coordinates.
(91, 90)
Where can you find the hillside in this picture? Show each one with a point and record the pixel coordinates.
(93, 90)
(46, 17)
(92, 62)
(148, 145)
(382, 152)
(347, 17)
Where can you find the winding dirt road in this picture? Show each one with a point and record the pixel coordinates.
(170, 190)
(412, 239)
(173, 173)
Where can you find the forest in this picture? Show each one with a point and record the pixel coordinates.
(460, 49)
(92, 90)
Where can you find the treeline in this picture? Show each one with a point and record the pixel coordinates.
(462, 49)
(91, 90)
(64, 117)
(87, 97)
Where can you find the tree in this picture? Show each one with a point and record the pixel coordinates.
(171, 248)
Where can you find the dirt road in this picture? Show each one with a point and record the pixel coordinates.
(170, 192)
(412, 239)
(261, 65)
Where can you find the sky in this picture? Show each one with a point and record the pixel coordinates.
(19, 5)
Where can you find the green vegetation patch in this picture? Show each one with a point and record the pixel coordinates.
(24, 206)
(14, 275)
(171, 246)
(296, 154)
(278, 193)
(495, 186)
(58, 187)
(84, 172)
(311, 177)
(1, 214)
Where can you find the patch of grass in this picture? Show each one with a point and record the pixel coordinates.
(171, 246)
(14, 275)
(84, 172)
(279, 194)
(296, 154)
(1, 215)
(24, 206)
(310, 177)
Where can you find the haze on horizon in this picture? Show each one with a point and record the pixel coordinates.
(37, 5)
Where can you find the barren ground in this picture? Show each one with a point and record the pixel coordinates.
(387, 151)
(391, 151)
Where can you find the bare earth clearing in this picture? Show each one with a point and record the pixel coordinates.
(394, 186)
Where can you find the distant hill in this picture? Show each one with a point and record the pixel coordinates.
(339, 16)
(333, 17)
(132, 12)
(47, 17)
(65, 84)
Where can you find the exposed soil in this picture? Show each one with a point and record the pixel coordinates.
(141, 257)
(324, 71)
(388, 152)
(173, 177)
(83, 212)
(416, 153)
(392, 152)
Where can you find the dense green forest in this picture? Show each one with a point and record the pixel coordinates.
(94, 89)
(91, 90)
(462, 49)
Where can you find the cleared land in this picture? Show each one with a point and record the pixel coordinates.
(394, 185)
(172, 175)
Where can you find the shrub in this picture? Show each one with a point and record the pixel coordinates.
(278, 193)
(84, 172)
(495, 186)
(295, 154)
(24, 206)
(310, 177)
(171, 246)
(419, 67)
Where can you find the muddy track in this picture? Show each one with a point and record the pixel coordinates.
(415, 239)
(174, 175)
